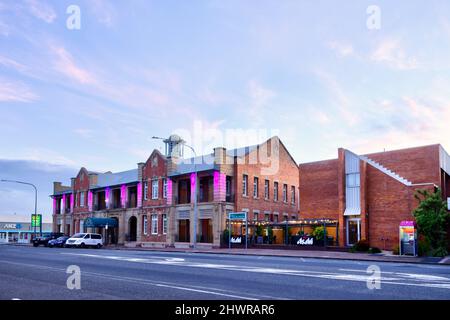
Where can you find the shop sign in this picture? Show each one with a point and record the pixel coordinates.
(11, 226)
(448, 203)
(305, 241)
(236, 240)
(237, 215)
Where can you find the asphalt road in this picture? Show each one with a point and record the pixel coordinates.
(40, 273)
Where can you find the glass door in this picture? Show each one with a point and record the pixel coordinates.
(353, 231)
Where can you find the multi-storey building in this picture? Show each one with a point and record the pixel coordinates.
(153, 205)
(371, 194)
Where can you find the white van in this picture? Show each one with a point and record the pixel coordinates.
(83, 240)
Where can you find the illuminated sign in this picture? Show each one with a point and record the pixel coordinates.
(448, 203)
(237, 215)
(306, 241)
(36, 220)
(236, 240)
(11, 226)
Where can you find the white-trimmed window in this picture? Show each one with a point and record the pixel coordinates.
(82, 199)
(255, 187)
(245, 185)
(293, 194)
(145, 224)
(164, 219)
(145, 190)
(155, 191)
(285, 193)
(275, 191)
(266, 189)
(154, 224)
(164, 188)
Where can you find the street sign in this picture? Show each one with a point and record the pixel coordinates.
(36, 220)
(237, 215)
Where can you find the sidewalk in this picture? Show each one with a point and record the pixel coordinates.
(383, 257)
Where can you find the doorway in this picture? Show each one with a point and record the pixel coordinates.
(353, 231)
(132, 228)
(184, 230)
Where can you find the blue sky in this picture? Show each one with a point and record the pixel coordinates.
(310, 71)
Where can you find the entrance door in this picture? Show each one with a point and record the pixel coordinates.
(132, 227)
(353, 231)
(184, 230)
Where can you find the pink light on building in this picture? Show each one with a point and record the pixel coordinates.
(219, 186)
(63, 204)
(169, 192)
(193, 185)
(139, 194)
(90, 200)
(107, 195)
(54, 205)
(123, 195)
(72, 200)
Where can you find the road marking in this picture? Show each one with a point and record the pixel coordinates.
(303, 273)
(207, 290)
(15, 299)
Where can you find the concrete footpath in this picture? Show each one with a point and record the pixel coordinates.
(386, 256)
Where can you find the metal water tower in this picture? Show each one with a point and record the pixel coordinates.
(174, 146)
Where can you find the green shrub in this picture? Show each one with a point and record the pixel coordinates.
(424, 247)
(440, 252)
(362, 246)
(319, 233)
(396, 250)
(374, 250)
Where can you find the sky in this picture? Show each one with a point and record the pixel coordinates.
(315, 73)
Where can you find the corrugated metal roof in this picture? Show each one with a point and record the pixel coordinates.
(206, 162)
(113, 179)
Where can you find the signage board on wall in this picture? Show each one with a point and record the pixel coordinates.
(236, 240)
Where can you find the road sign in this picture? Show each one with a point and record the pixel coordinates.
(36, 220)
(237, 215)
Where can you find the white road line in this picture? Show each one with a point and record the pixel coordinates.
(314, 274)
(207, 290)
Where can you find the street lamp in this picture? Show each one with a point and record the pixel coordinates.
(35, 200)
(194, 244)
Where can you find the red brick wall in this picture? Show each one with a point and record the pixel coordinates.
(151, 171)
(287, 173)
(81, 183)
(389, 202)
(160, 237)
(319, 189)
(418, 165)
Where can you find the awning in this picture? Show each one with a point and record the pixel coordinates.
(100, 222)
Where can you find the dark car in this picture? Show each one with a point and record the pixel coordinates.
(59, 242)
(46, 238)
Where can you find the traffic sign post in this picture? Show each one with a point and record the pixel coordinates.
(237, 216)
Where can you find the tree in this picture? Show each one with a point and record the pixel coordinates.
(432, 218)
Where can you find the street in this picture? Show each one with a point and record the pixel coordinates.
(40, 273)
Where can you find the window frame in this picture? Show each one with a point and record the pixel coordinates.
(145, 224)
(245, 185)
(154, 225)
(155, 195)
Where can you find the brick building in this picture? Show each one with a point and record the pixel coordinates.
(153, 205)
(370, 194)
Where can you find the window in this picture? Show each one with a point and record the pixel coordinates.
(255, 216)
(154, 224)
(245, 185)
(275, 218)
(352, 180)
(255, 187)
(145, 224)
(266, 189)
(285, 192)
(164, 217)
(228, 186)
(275, 191)
(155, 189)
(145, 190)
(82, 199)
(292, 194)
(164, 188)
(266, 217)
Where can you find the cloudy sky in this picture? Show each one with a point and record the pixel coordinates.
(310, 71)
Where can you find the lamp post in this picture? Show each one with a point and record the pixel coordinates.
(35, 200)
(194, 243)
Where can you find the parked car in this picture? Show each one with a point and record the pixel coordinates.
(83, 240)
(46, 238)
(58, 242)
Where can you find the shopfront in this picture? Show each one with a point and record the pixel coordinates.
(20, 232)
